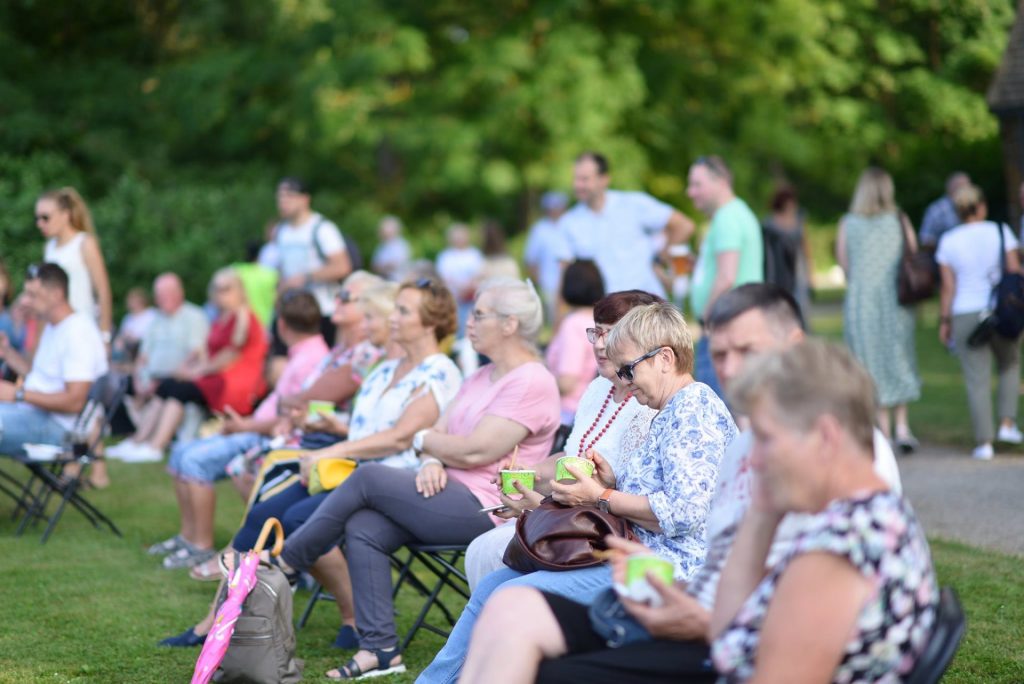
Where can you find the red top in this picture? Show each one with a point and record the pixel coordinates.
(241, 384)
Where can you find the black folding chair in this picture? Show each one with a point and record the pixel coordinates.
(47, 478)
(442, 562)
(950, 626)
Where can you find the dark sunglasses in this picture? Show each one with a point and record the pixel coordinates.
(625, 373)
(594, 334)
(345, 297)
(32, 272)
(42, 218)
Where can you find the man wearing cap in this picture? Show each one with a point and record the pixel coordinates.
(618, 229)
(309, 251)
(542, 249)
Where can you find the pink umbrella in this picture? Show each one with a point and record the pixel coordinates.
(243, 579)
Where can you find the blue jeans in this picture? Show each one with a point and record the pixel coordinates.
(703, 370)
(22, 423)
(203, 460)
(579, 585)
(292, 506)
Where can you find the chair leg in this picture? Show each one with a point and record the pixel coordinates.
(310, 605)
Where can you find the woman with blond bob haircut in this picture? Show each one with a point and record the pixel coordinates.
(664, 490)
(854, 599)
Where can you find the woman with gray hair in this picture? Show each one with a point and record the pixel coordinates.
(511, 403)
(664, 490)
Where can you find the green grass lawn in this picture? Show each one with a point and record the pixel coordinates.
(88, 607)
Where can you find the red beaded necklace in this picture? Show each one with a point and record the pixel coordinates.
(584, 447)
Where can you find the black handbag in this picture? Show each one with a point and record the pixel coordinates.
(1008, 309)
(916, 279)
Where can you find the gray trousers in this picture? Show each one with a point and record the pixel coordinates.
(977, 368)
(375, 512)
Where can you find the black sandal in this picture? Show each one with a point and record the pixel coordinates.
(351, 671)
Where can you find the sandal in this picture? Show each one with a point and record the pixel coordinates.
(167, 546)
(187, 556)
(206, 572)
(351, 670)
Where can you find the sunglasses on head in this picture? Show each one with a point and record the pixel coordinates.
(625, 372)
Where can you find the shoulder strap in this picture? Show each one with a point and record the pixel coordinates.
(316, 239)
(1002, 249)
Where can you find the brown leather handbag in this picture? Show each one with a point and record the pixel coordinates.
(557, 537)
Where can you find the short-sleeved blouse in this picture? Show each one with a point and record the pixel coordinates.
(880, 536)
(380, 405)
(528, 395)
(361, 359)
(677, 470)
(240, 384)
(616, 433)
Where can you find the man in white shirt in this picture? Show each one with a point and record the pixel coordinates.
(617, 229)
(309, 253)
(70, 357)
(393, 254)
(542, 249)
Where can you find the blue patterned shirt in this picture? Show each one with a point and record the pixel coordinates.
(677, 470)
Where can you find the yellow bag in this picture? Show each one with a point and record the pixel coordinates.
(329, 473)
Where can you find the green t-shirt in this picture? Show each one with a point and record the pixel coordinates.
(734, 228)
(260, 284)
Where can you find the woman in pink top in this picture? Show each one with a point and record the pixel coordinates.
(570, 355)
(511, 401)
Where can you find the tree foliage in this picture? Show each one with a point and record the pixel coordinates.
(176, 117)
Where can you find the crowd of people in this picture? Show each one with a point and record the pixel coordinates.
(759, 463)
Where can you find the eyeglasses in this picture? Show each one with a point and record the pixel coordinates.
(481, 315)
(345, 297)
(594, 334)
(42, 218)
(625, 373)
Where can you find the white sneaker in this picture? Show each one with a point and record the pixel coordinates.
(1010, 435)
(143, 453)
(983, 452)
(120, 449)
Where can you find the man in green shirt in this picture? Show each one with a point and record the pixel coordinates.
(732, 252)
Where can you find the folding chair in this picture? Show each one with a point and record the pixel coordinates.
(47, 477)
(442, 562)
(950, 625)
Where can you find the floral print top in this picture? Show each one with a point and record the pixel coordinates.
(880, 536)
(677, 470)
(380, 404)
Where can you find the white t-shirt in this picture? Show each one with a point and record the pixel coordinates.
(71, 351)
(543, 248)
(732, 498)
(391, 258)
(972, 252)
(297, 254)
(459, 269)
(619, 239)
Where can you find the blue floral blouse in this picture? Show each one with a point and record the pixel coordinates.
(677, 470)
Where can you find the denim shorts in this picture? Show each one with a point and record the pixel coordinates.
(204, 460)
